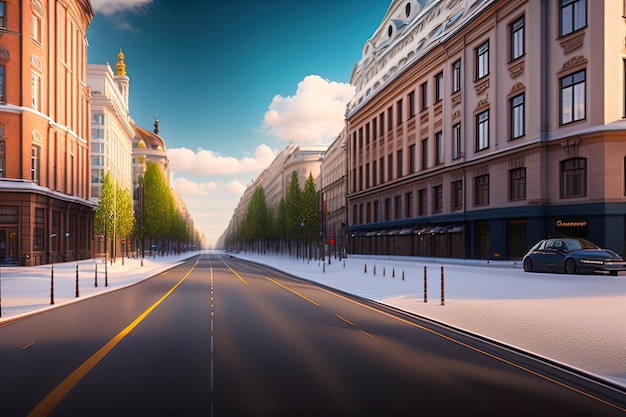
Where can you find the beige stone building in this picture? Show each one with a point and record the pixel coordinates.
(334, 186)
(482, 126)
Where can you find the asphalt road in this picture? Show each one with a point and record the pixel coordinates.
(223, 337)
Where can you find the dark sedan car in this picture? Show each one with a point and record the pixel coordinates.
(572, 255)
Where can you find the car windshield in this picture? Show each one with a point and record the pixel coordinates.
(578, 244)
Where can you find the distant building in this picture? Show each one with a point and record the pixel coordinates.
(275, 181)
(45, 210)
(334, 186)
(112, 129)
(481, 126)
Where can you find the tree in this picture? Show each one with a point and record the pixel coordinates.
(310, 208)
(293, 207)
(114, 214)
(158, 203)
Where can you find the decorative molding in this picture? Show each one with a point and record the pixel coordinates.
(573, 63)
(570, 146)
(573, 42)
(456, 99)
(482, 105)
(516, 68)
(456, 115)
(481, 86)
(517, 162)
(516, 89)
(5, 56)
(36, 62)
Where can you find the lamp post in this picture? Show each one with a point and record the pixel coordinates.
(52, 236)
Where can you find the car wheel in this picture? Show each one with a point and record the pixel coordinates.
(528, 265)
(570, 266)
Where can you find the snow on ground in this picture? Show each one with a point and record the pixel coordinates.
(573, 319)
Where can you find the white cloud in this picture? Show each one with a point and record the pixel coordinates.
(110, 7)
(314, 116)
(183, 186)
(205, 162)
(235, 187)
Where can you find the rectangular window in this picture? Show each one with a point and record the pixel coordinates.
(517, 116)
(2, 159)
(360, 178)
(390, 118)
(424, 93)
(482, 60)
(3, 14)
(422, 201)
(367, 176)
(456, 141)
(424, 154)
(2, 89)
(34, 164)
(573, 97)
(387, 213)
(399, 118)
(517, 184)
(439, 147)
(390, 167)
(573, 16)
(382, 169)
(408, 205)
(398, 207)
(481, 189)
(381, 118)
(412, 167)
(457, 195)
(97, 119)
(374, 174)
(376, 211)
(439, 87)
(374, 128)
(36, 28)
(456, 76)
(411, 104)
(482, 130)
(399, 163)
(574, 178)
(517, 38)
(36, 91)
(38, 229)
(437, 199)
(367, 134)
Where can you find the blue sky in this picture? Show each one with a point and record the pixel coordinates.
(233, 82)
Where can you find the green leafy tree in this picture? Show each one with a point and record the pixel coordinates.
(310, 208)
(293, 207)
(158, 203)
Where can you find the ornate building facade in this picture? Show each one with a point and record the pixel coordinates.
(482, 126)
(45, 210)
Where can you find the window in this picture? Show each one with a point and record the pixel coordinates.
(2, 92)
(411, 104)
(517, 38)
(422, 201)
(36, 92)
(387, 213)
(97, 118)
(2, 159)
(36, 28)
(456, 141)
(482, 60)
(482, 130)
(377, 211)
(374, 174)
(367, 134)
(382, 169)
(34, 166)
(360, 178)
(367, 176)
(573, 16)
(517, 116)
(481, 189)
(456, 76)
(390, 167)
(408, 205)
(437, 198)
(390, 118)
(399, 112)
(439, 87)
(517, 184)
(374, 128)
(424, 92)
(573, 97)
(457, 195)
(382, 124)
(439, 147)
(412, 167)
(397, 205)
(399, 160)
(424, 153)
(3, 14)
(574, 178)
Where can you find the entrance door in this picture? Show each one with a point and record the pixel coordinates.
(8, 246)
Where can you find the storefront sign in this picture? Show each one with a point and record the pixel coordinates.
(561, 223)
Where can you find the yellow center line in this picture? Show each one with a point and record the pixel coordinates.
(235, 272)
(48, 404)
(345, 320)
(458, 342)
(293, 291)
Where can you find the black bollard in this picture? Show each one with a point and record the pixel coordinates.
(425, 286)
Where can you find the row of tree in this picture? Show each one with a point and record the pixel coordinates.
(297, 219)
(158, 220)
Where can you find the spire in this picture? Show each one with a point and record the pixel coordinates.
(120, 67)
(156, 124)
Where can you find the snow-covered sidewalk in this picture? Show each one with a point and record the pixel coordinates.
(578, 320)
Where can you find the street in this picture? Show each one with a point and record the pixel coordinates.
(225, 337)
